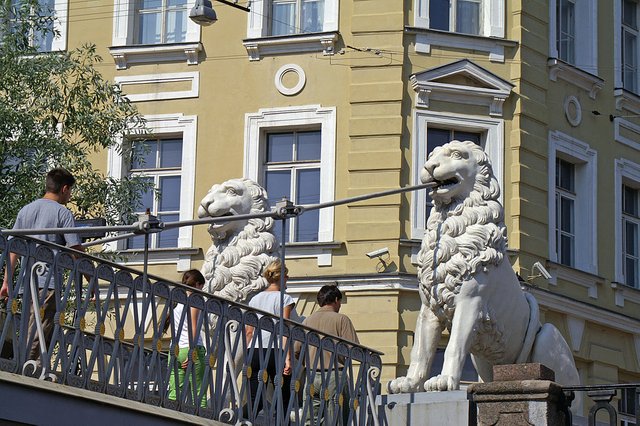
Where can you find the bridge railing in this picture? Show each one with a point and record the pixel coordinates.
(612, 404)
(108, 335)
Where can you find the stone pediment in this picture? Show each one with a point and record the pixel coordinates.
(461, 82)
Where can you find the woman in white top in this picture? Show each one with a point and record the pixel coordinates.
(269, 301)
(192, 278)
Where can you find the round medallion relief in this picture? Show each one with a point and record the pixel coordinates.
(290, 79)
(573, 110)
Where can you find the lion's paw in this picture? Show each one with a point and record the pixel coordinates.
(441, 382)
(403, 385)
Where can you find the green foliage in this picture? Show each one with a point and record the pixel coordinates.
(57, 110)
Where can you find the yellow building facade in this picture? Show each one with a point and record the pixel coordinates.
(322, 100)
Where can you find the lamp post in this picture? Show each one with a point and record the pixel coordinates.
(202, 12)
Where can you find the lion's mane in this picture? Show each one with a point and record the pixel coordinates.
(234, 263)
(462, 236)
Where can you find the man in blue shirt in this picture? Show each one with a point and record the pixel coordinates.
(47, 212)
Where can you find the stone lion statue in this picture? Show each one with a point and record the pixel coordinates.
(240, 249)
(467, 284)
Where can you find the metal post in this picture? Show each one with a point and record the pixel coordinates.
(283, 357)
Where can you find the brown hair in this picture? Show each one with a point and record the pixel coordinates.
(328, 294)
(57, 178)
(272, 272)
(192, 277)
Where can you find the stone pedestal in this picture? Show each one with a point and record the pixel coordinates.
(424, 408)
(522, 394)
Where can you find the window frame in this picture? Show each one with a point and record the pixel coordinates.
(492, 141)
(577, 152)
(125, 52)
(306, 117)
(158, 126)
(259, 43)
(164, 10)
(492, 11)
(618, 52)
(626, 172)
(293, 167)
(157, 173)
(635, 221)
(60, 24)
(570, 195)
(586, 36)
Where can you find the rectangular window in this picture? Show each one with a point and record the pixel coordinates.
(43, 40)
(630, 45)
(627, 406)
(438, 137)
(630, 222)
(461, 16)
(565, 212)
(292, 170)
(296, 16)
(159, 161)
(566, 30)
(161, 21)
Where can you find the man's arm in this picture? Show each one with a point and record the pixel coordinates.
(347, 330)
(11, 267)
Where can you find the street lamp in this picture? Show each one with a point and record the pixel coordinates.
(202, 13)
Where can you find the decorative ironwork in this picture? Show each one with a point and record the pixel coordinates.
(602, 396)
(108, 336)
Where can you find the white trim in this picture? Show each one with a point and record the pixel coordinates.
(493, 145)
(626, 100)
(123, 35)
(623, 292)
(581, 79)
(258, 42)
(428, 84)
(191, 77)
(126, 55)
(589, 313)
(617, 43)
(493, 16)
(586, 49)
(258, 24)
(294, 69)
(623, 169)
(574, 276)
(575, 326)
(161, 124)
(586, 195)
(124, 23)
(573, 117)
(493, 47)
(297, 43)
(620, 124)
(61, 25)
(297, 117)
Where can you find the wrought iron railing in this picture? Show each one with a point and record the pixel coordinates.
(606, 410)
(109, 337)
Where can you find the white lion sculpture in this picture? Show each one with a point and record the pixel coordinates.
(468, 286)
(240, 249)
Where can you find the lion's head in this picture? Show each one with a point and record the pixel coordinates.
(462, 173)
(465, 229)
(240, 248)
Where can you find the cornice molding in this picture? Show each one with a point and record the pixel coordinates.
(626, 100)
(147, 54)
(561, 70)
(265, 46)
(492, 92)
